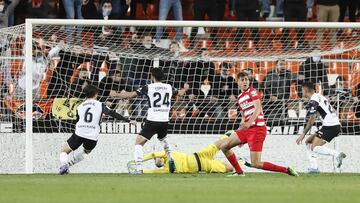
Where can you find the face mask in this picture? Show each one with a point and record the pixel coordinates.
(106, 11)
(2, 7)
(316, 58)
(147, 46)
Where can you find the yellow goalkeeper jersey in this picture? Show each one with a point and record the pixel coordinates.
(185, 163)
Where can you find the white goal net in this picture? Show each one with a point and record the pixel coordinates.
(117, 56)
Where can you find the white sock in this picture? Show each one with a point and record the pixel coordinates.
(63, 158)
(77, 158)
(138, 157)
(312, 157)
(166, 148)
(325, 151)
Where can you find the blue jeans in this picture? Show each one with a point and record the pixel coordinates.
(165, 6)
(72, 10)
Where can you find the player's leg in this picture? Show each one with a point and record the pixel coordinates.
(139, 153)
(325, 135)
(88, 146)
(256, 138)
(71, 144)
(162, 136)
(234, 140)
(312, 156)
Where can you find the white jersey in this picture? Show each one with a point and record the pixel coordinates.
(89, 116)
(320, 105)
(159, 96)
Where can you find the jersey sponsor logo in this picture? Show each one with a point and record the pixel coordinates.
(245, 105)
(253, 93)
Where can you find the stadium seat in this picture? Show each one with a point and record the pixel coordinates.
(293, 66)
(339, 68)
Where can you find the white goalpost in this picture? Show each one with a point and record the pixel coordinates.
(58, 57)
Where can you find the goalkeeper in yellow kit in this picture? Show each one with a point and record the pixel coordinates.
(201, 161)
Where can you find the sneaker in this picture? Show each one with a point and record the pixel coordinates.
(64, 169)
(313, 171)
(172, 167)
(236, 174)
(292, 171)
(339, 159)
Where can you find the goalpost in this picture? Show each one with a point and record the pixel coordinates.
(100, 49)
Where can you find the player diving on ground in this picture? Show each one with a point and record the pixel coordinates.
(200, 161)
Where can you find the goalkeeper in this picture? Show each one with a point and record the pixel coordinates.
(201, 161)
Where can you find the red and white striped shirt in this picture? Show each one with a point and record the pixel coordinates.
(246, 105)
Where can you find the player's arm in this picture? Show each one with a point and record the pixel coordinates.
(253, 117)
(127, 95)
(312, 109)
(154, 155)
(106, 110)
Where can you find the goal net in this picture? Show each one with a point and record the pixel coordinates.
(117, 56)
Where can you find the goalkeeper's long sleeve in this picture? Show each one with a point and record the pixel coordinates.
(154, 155)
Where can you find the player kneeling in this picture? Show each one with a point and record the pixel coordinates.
(87, 129)
(252, 131)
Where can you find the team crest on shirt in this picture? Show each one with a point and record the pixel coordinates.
(253, 93)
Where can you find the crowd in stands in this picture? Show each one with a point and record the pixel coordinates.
(15, 11)
(211, 88)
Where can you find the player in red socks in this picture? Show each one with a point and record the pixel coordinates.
(252, 131)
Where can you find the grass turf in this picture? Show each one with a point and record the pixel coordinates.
(174, 188)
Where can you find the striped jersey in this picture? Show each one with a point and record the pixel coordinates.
(246, 105)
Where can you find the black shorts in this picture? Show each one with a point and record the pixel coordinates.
(328, 133)
(151, 128)
(75, 142)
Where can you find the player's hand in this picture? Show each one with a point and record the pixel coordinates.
(133, 122)
(300, 139)
(245, 126)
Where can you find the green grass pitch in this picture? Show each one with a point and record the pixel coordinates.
(182, 188)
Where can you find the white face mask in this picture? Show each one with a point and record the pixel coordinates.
(147, 46)
(2, 7)
(316, 58)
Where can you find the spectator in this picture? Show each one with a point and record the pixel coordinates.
(72, 11)
(198, 71)
(295, 10)
(277, 82)
(89, 10)
(351, 6)
(7, 8)
(247, 10)
(37, 8)
(126, 4)
(80, 81)
(223, 88)
(327, 11)
(314, 71)
(253, 82)
(164, 9)
(115, 11)
(40, 64)
(279, 10)
(341, 89)
(202, 8)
